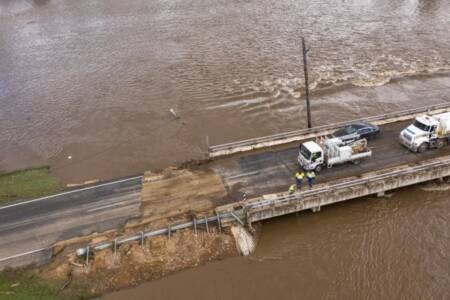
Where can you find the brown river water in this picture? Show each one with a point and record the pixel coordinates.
(371, 248)
(95, 80)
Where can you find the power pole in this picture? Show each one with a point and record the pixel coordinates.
(305, 70)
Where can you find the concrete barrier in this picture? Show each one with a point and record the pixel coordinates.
(244, 213)
(302, 134)
(274, 205)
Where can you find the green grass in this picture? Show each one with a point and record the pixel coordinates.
(21, 285)
(28, 183)
(26, 284)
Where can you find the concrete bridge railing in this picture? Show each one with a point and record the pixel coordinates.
(273, 205)
(297, 135)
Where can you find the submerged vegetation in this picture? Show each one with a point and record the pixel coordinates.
(28, 183)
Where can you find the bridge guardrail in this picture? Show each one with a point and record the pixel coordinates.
(296, 135)
(238, 214)
(286, 198)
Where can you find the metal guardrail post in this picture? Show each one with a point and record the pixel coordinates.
(87, 255)
(115, 246)
(206, 223)
(237, 218)
(142, 239)
(257, 204)
(219, 222)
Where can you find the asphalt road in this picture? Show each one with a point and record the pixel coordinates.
(33, 226)
(273, 171)
(37, 224)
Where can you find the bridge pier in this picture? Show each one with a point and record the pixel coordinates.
(380, 194)
(315, 209)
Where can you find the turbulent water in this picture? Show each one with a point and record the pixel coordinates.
(95, 80)
(372, 248)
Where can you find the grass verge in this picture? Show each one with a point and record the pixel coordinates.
(25, 284)
(28, 183)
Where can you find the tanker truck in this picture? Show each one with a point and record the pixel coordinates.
(427, 132)
(331, 151)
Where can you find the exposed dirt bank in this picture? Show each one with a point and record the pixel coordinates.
(134, 264)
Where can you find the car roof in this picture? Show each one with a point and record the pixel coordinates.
(358, 125)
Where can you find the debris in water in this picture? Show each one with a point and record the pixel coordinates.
(245, 242)
(172, 111)
(277, 93)
(296, 95)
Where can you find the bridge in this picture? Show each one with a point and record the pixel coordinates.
(242, 182)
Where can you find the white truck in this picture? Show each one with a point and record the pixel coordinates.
(331, 151)
(427, 132)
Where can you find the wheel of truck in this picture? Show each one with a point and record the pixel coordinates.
(422, 148)
(318, 168)
(440, 143)
(356, 162)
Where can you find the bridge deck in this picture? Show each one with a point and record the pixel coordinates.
(33, 225)
(272, 171)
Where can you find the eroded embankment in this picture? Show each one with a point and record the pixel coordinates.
(135, 263)
(168, 197)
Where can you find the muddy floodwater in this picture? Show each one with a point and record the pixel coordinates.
(86, 87)
(372, 248)
(95, 80)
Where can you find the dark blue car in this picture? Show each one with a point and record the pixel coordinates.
(358, 130)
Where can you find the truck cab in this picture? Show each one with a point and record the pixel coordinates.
(311, 156)
(420, 135)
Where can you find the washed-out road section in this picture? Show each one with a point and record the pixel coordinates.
(37, 224)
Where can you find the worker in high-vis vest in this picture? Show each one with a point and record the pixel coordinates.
(292, 189)
(311, 176)
(299, 176)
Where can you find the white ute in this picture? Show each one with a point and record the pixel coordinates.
(331, 151)
(427, 132)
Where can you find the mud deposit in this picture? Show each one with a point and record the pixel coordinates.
(134, 264)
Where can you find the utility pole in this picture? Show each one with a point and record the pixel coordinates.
(305, 70)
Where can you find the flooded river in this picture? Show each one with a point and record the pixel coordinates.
(371, 248)
(95, 80)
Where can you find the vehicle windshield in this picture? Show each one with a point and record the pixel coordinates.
(350, 129)
(345, 131)
(421, 126)
(305, 152)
